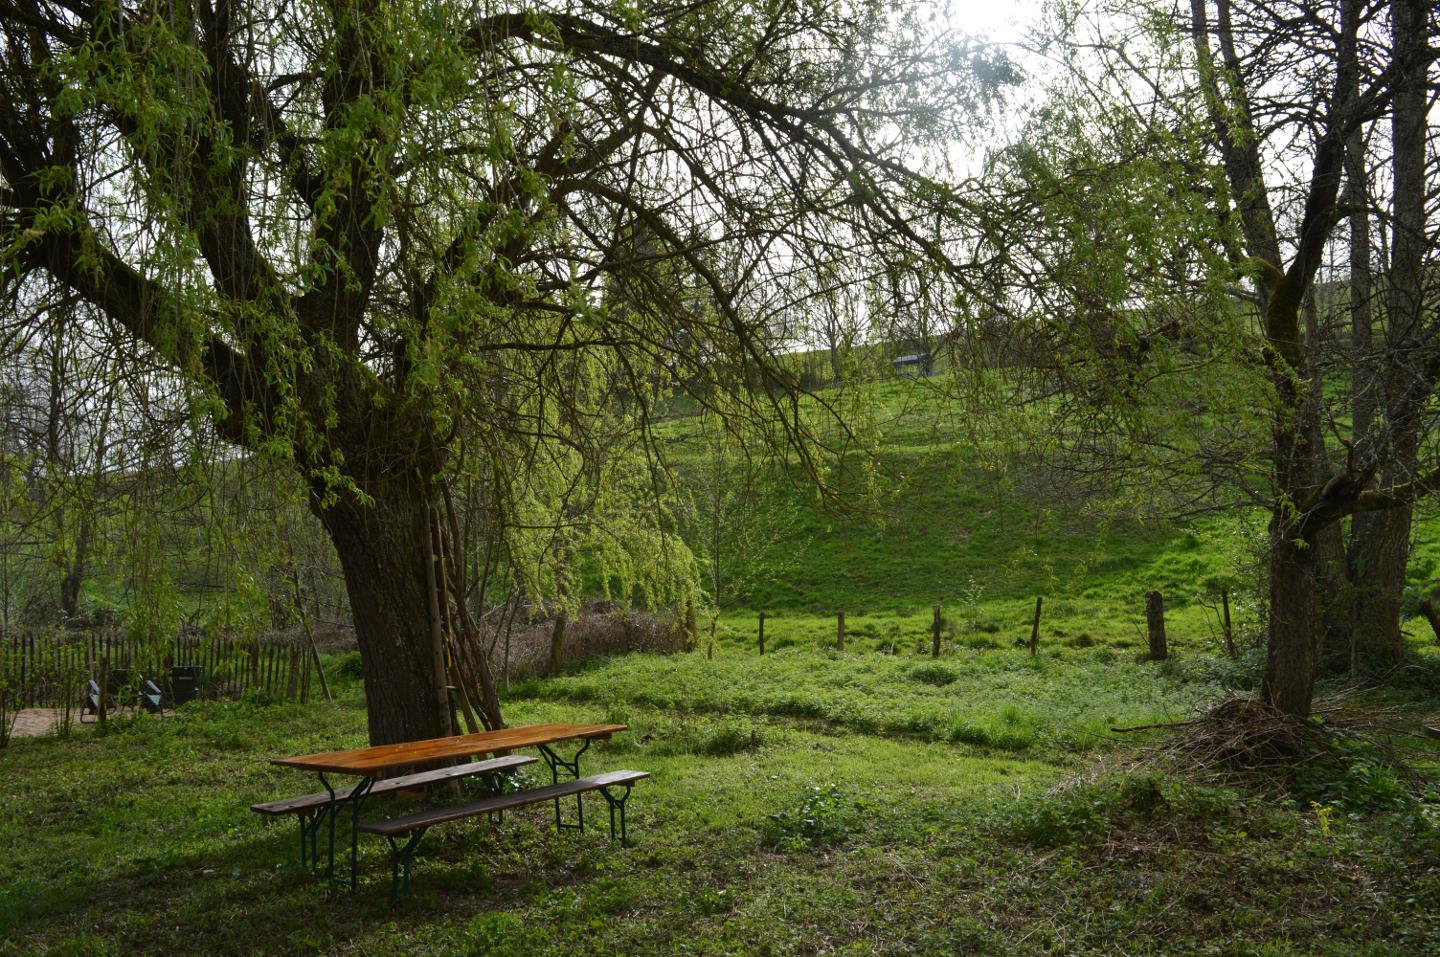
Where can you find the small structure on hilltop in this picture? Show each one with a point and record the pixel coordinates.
(920, 363)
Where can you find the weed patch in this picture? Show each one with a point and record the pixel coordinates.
(824, 817)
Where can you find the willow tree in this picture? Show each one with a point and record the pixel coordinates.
(364, 233)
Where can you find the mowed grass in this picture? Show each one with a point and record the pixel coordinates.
(789, 812)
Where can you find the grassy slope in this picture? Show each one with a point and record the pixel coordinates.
(938, 528)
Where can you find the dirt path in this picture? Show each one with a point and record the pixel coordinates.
(35, 721)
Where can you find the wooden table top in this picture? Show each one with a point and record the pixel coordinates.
(383, 757)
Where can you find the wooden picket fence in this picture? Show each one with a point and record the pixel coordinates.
(49, 669)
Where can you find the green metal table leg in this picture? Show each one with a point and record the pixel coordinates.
(573, 766)
(617, 804)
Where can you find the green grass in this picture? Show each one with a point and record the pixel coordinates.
(1000, 700)
(791, 811)
(930, 521)
(810, 801)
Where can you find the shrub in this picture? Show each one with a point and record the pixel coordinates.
(1087, 814)
(1356, 777)
(824, 818)
(933, 674)
(349, 667)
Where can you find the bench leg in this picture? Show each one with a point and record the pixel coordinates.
(573, 766)
(400, 857)
(617, 803)
(357, 798)
(494, 784)
(310, 838)
(328, 813)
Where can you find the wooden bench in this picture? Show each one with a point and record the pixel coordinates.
(310, 804)
(415, 825)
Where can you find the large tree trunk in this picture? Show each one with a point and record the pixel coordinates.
(1332, 585)
(1380, 551)
(383, 549)
(1289, 682)
(74, 578)
(1381, 548)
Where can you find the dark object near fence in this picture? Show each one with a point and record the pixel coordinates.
(92, 699)
(150, 697)
(184, 683)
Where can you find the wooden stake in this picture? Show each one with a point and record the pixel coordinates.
(314, 657)
(935, 635)
(1155, 622)
(1035, 625)
(104, 685)
(1229, 632)
(762, 633)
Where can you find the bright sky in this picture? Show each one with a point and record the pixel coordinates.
(1000, 20)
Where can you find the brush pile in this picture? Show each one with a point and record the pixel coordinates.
(1241, 739)
(1243, 736)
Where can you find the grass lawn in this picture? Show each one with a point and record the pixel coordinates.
(804, 803)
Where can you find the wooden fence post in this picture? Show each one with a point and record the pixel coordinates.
(292, 678)
(1155, 621)
(762, 633)
(1035, 625)
(935, 635)
(104, 686)
(1229, 632)
(840, 631)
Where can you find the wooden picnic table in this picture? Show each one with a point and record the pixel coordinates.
(372, 762)
(386, 757)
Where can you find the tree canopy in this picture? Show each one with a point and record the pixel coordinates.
(391, 243)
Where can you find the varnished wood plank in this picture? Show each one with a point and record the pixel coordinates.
(382, 757)
(501, 802)
(306, 801)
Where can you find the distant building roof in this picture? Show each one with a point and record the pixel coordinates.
(911, 359)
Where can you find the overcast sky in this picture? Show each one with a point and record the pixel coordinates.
(1001, 20)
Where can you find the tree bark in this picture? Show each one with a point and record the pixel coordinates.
(1289, 681)
(74, 578)
(1380, 551)
(383, 547)
(1332, 582)
(557, 643)
(1381, 548)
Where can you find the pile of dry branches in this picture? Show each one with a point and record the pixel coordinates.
(1244, 738)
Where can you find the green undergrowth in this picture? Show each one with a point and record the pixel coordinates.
(840, 829)
(1003, 700)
